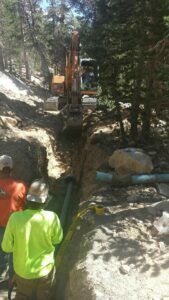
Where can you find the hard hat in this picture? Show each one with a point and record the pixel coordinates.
(38, 191)
(6, 162)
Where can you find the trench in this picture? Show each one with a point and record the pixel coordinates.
(86, 157)
(61, 191)
(35, 157)
(68, 189)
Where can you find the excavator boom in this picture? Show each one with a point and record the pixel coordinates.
(74, 108)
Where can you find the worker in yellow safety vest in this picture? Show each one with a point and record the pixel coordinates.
(31, 235)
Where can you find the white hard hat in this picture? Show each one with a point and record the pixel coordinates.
(38, 191)
(6, 162)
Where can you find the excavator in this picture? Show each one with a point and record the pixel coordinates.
(76, 90)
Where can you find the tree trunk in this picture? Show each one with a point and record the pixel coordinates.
(20, 65)
(120, 121)
(10, 65)
(136, 98)
(44, 63)
(2, 67)
(146, 117)
(6, 65)
(27, 69)
(31, 21)
(21, 14)
(134, 119)
(146, 121)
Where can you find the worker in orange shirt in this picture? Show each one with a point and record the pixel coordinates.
(12, 198)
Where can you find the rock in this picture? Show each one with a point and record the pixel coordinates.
(115, 234)
(157, 208)
(162, 224)
(132, 198)
(164, 164)
(162, 246)
(152, 153)
(124, 269)
(163, 189)
(8, 121)
(130, 161)
(97, 138)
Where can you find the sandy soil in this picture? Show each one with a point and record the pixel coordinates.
(116, 255)
(31, 138)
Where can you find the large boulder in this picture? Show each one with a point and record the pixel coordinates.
(130, 161)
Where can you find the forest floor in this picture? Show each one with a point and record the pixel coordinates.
(116, 255)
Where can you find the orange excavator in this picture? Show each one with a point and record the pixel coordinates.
(77, 89)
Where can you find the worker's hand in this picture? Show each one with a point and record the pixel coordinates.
(20, 195)
(20, 202)
(20, 198)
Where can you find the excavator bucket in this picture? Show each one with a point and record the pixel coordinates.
(73, 118)
(74, 122)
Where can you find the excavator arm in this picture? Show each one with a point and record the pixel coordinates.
(74, 107)
(78, 87)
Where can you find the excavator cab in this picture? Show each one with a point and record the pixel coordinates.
(88, 76)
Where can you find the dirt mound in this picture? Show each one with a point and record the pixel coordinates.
(27, 133)
(116, 255)
(13, 85)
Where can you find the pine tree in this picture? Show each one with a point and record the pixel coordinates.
(121, 36)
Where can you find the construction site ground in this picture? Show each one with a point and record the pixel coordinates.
(115, 255)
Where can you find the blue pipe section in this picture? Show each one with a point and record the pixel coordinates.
(100, 176)
(134, 179)
(150, 178)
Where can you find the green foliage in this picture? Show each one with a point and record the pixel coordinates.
(26, 27)
(122, 36)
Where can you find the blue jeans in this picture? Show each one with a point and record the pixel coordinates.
(6, 260)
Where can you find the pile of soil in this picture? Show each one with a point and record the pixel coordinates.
(118, 254)
(27, 133)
